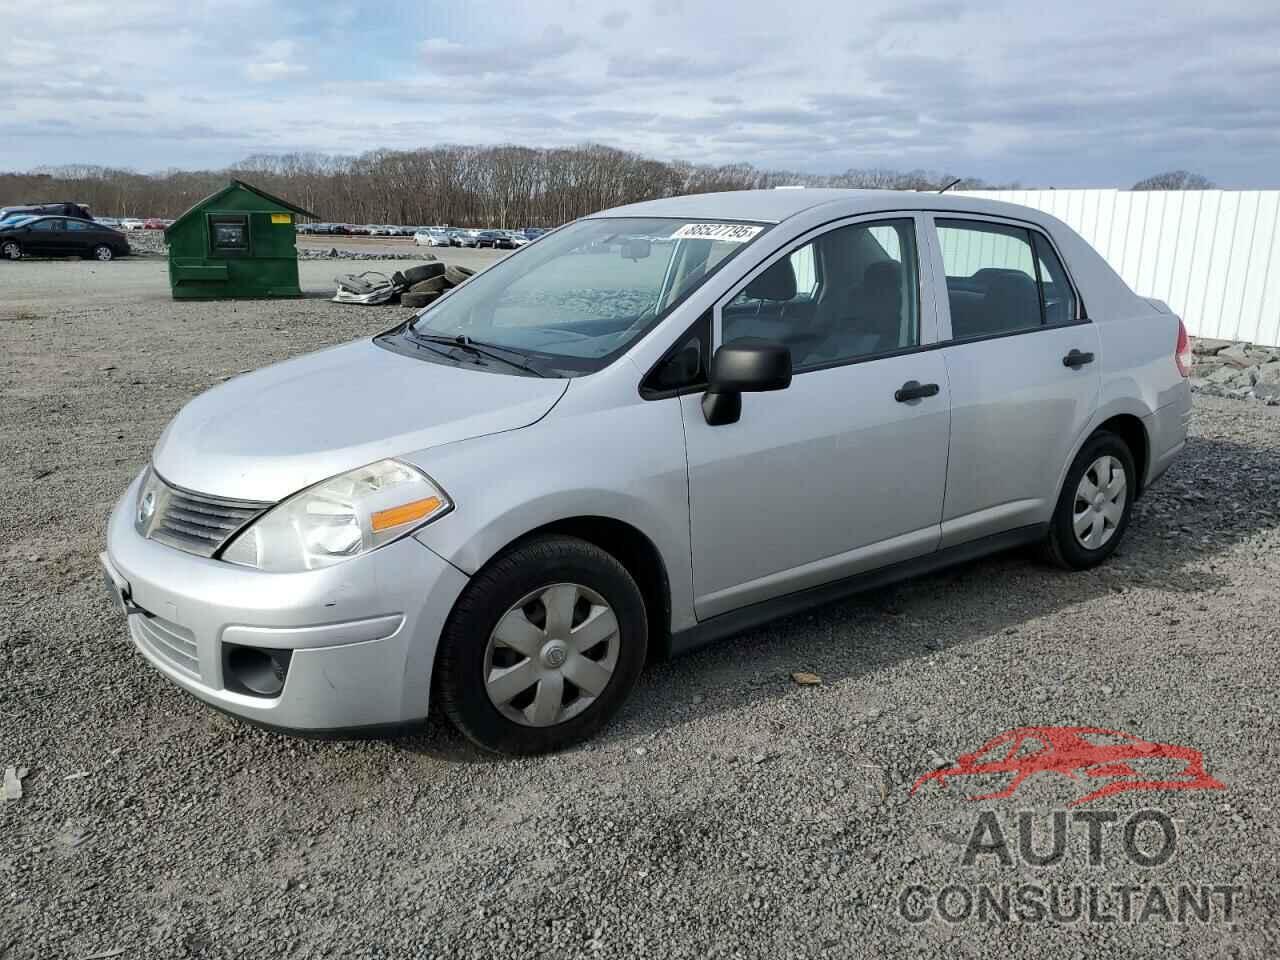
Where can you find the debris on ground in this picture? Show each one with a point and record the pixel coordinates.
(12, 789)
(803, 679)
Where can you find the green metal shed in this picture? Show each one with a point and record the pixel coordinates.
(237, 243)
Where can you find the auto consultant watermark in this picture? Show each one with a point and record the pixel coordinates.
(1146, 838)
(1103, 762)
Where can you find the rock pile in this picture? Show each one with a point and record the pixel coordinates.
(1241, 371)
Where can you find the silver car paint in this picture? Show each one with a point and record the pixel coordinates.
(518, 453)
(269, 433)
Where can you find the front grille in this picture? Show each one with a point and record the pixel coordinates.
(168, 641)
(198, 523)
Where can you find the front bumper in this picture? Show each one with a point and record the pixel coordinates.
(362, 633)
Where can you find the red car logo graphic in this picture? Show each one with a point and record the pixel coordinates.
(1094, 753)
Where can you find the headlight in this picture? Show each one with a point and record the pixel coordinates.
(340, 518)
(148, 504)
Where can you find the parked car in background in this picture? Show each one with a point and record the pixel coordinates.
(517, 238)
(496, 239)
(153, 223)
(132, 223)
(466, 238)
(533, 233)
(112, 222)
(61, 237)
(979, 370)
(431, 237)
(64, 209)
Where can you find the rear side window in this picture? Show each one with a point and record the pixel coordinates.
(1059, 297)
(991, 278)
(78, 225)
(47, 225)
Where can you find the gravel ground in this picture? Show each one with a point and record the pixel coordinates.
(729, 812)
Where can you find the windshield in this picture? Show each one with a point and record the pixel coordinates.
(583, 294)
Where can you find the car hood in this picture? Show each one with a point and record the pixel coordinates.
(268, 434)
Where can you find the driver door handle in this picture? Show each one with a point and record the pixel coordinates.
(1077, 359)
(915, 390)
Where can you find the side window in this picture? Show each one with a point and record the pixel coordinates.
(47, 225)
(77, 225)
(1059, 297)
(991, 278)
(849, 294)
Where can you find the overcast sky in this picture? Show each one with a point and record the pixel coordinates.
(1086, 93)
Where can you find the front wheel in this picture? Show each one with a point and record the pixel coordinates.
(103, 252)
(543, 647)
(1094, 506)
(10, 250)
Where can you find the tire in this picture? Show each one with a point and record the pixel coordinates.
(424, 272)
(103, 252)
(10, 250)
(1063, 546)
(417, 300)
(434, 285)
(456, 275)
(571, 568)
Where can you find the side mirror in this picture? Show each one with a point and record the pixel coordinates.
(743, 366)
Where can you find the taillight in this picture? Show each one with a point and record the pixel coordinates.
(1182, 356)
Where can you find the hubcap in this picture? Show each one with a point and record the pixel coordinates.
(104, 253)
(11, 251)
(1100, 502)
(551, 655)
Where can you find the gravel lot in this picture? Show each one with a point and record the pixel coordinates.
(730, 812)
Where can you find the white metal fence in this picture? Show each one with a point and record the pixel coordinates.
(1210, 254)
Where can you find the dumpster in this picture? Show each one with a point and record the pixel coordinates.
(237, 243)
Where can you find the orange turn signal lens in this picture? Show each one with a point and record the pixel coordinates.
(407, 513)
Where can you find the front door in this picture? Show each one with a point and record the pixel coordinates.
(44, 237)
(843, 471)
(1022, 361)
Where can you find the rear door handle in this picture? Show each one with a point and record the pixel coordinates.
(915, 390)
(1077, 359)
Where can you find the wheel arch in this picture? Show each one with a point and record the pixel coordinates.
(632, 548)
(1133, 432)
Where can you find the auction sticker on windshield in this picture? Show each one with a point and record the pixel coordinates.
(725, 232)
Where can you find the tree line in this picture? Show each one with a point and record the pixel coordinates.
(502, 186)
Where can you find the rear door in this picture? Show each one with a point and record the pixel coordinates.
(1022, 365)
(81, 237)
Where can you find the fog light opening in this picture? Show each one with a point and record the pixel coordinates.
(256, 671)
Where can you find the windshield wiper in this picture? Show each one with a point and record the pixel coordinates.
(465, 343)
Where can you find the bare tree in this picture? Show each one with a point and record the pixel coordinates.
(502, 186)
(1175, 180)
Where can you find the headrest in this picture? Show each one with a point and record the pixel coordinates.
(884, 276)
(776, 283)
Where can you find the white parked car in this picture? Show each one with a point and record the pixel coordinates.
(568, 463)
(132, 223)
(431, 237)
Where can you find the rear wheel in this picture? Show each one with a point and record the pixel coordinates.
(10, 250)
(543, 647)
(1094, 506)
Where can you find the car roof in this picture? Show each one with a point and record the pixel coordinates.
(774, 206)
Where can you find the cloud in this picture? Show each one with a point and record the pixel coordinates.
(275, 61)
(449, 57)
(1040, 94)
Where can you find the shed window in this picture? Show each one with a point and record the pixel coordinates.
(229, 233)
